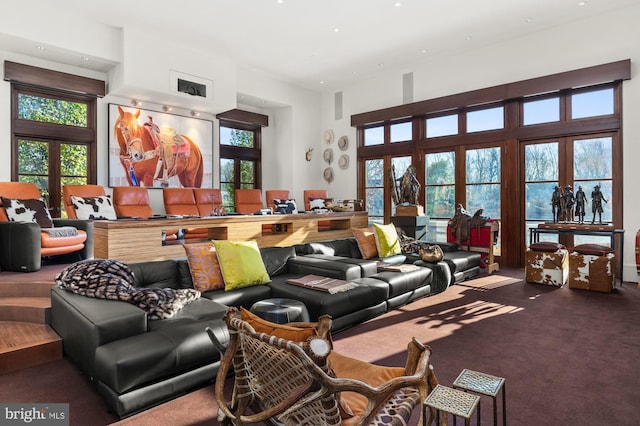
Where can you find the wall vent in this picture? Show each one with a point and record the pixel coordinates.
(192, 88)
(187, 84)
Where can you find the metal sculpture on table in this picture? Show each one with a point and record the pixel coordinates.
(556, 204)
(597, 197)
(581, 202)
(568, 203)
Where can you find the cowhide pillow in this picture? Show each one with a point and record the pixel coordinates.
(94, 207)
(286, 206)
(320, 203)
(30, 210)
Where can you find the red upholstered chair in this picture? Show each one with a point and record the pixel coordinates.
(79, 191)
(248, 201)
(313, 194)
(23, 243)
(276, 194)
(207, 199)
(131, 201)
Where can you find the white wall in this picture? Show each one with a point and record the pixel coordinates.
(585, 43)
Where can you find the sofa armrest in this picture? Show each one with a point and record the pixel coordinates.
(86, 226)
(84, 323)
(20, 246)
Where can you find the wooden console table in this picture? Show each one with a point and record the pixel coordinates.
(142, 239)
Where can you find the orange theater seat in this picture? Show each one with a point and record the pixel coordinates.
(276, 194)
(312, 194)
(79, 191)
(208, 200)
(131, 201)
(23, 243)
(248, 201)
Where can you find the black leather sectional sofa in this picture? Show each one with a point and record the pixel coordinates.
(135, 362)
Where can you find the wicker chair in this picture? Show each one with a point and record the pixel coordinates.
(298, 383)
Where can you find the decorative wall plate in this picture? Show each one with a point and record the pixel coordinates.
(327, 174)
(343, 161)
(343, 143)
(327, 155)
(328, 136)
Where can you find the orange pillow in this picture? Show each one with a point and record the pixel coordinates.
(366, 239)
(299, 333)
(205, 268)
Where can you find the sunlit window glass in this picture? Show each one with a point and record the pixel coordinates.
(401, 132)
(592, 104)
(374, 136)
(485, 119)
(541, 111)
(442, 126)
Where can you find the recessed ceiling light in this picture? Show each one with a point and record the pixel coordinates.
(40, 47)
(397, 4)
(280, 1)
(424, 51)
(85, 58)
(582, 3)
(322, 82)
(336, 30)
(528, 20)
(468, 38)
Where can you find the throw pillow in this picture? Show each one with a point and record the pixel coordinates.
(29, 210)
(299, 333)
(241, 263)
(204, 266)
(94, 207)
(286, 206)
(593, 249)
(366, 239)
(546, 246)
(387, 241)
(320, 203)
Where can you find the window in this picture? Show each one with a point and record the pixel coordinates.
(541, 111)
(507, 155)
(442, 126)
(374, 136)
(374, 189)
(440, 191)
(485, 119)
(401, 132)
(239, 160)
(53, 141)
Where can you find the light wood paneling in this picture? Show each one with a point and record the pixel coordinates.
(141, 240)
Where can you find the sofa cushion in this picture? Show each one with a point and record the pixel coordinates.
(244, 296)
(593, 249)
(100, 207)
(28, 210)
(462, 260)
(286, 206)
(241, 263)
(205, 267)
(347, 247)
(275, 259)
(547, 246)
(403, 282)
(387, 240)
(155, 274)
(366, 239)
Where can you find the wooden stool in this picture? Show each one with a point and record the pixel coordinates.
(484, 384)
(454, 402)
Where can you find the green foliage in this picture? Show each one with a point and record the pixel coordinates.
(48, 110)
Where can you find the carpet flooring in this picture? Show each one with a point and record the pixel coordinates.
(570, 357)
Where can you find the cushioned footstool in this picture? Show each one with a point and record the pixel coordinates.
(547, 263)
(484, 384)
(591, 267)
(455, 402)
(281, 310)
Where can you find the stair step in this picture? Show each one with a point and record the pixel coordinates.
(25, 309)
(26, 289)
(24, 345)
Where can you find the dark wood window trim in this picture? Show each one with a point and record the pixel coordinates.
(511, 96)
(40, 77)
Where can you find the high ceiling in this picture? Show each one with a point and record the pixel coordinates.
(327, 44)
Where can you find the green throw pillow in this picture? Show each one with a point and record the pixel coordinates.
(387, 240)
(241, 264)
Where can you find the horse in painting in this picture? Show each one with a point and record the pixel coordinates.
(149, 153)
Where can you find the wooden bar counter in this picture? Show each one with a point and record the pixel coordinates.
(137, 240)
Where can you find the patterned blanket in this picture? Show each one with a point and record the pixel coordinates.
(111, 279)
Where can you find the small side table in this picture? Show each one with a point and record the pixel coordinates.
(281, 311)
(454, 402)
(484, 384)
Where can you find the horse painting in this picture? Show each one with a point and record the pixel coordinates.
(151, 155)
